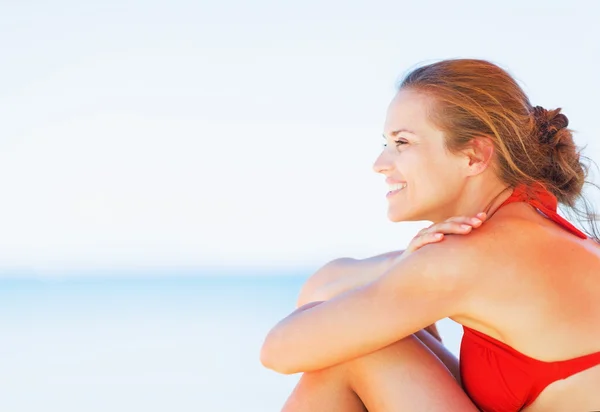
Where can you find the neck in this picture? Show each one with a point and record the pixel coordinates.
(478, 197)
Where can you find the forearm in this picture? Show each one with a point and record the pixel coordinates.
(344, 274)
(341, 275)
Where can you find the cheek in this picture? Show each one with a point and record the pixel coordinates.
(436, 177)
(423, 166)
(426, 168)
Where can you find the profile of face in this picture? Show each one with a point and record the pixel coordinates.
(425, 179)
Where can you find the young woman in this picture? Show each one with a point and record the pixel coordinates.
(462, 139)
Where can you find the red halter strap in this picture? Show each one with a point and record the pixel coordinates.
(540, 198)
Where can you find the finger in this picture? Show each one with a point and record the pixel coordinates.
(473, 221)
(451, 228)
(479, 216)
(453, 225)
(423, 240)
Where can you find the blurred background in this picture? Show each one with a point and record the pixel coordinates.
(171, 173)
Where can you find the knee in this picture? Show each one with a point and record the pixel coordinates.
(336, 373)
(406, 354)
(400, 351)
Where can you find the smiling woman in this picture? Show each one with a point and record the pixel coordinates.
(467, 151)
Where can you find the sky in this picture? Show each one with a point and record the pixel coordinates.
(141, 136)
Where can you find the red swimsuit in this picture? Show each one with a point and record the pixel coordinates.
(497, 377)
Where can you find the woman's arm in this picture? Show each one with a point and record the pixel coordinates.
(430, 284)
(343, 274)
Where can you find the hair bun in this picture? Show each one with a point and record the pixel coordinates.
(549, 122)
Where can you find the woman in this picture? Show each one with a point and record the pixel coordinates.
(462, 138)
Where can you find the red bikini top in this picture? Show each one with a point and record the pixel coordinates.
(497, 377)
(540, 198)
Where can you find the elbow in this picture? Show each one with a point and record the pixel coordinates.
(266, 356)
(310, 294)
(305, 294)
(314, 289)
(312, 286)
(274, 359)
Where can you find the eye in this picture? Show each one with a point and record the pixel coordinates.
(398, 143)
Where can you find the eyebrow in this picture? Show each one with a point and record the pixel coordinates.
(395, 132)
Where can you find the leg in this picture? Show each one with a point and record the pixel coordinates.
(442, 353)
(404, 376)
(324, 390)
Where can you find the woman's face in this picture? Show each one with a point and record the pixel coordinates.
(425, 179)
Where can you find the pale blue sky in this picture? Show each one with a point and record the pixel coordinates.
(139, 134)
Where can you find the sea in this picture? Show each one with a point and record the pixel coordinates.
(147, 343)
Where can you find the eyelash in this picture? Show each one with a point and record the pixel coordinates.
(398, 143)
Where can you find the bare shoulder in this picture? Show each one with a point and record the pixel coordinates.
(492, 240)
(513, 249)
(527, 239)
(488, 250)
(485, 265)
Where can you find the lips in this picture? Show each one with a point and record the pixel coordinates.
(391, 181)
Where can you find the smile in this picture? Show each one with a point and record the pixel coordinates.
(395, 189)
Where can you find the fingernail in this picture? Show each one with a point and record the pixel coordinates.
(465, 227)
(475, 220)
(438, 235)
(482, 214)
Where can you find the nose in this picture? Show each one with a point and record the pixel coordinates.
(382, 163)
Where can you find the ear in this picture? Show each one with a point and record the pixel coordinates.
(478, 154)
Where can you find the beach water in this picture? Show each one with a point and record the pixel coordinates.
(188, 343)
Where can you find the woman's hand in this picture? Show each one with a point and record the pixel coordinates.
(435, 233)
